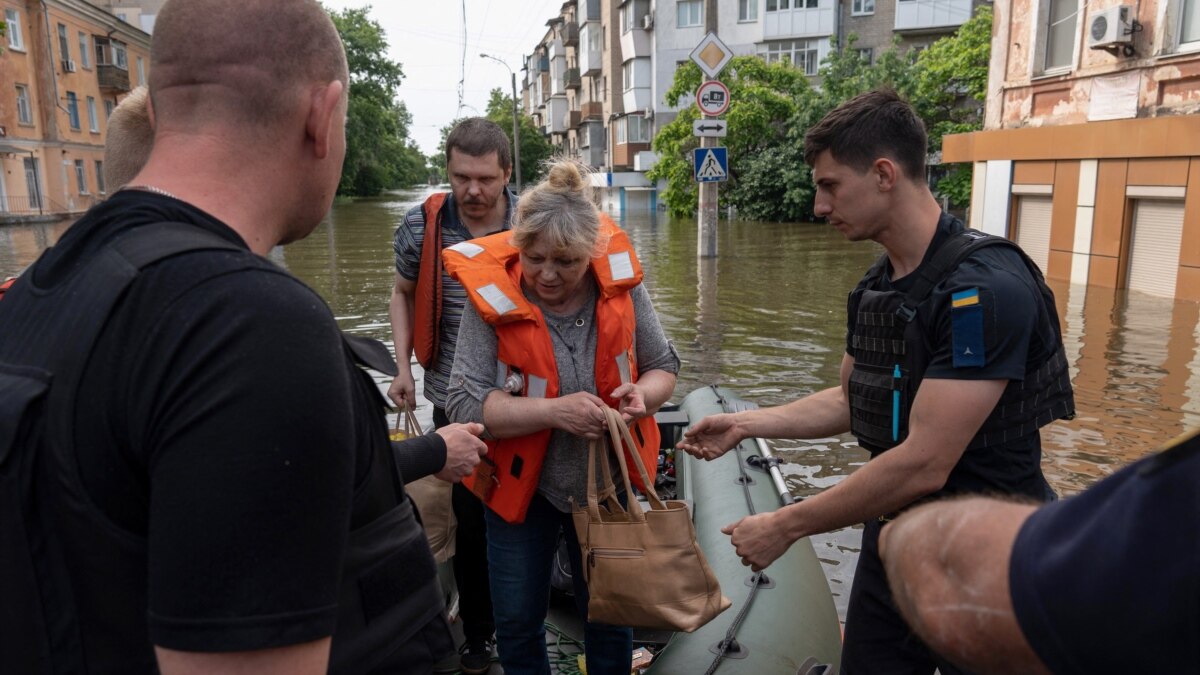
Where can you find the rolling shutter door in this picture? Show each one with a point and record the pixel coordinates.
(1033, 228)
(1154, 255)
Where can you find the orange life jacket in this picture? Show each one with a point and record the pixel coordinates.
(489, 268)
(427, 305)
(6, 284)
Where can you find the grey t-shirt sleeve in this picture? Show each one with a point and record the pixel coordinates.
(654, 350)
(406, 245)
(473, 376)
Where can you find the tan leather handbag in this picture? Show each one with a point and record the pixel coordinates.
(643, 568)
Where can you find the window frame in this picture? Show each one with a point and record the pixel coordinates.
(1044, 44)
(98, 165)
(748, 11)
(24, 112)
(643, 125)
(73, 111)
(93, 117)
(695, 7)
(862, 10)
(1180, 44)
(81, 177)
(775, 52)
(868, 52)
(85, 56)
(64, 43)
(16, 39)
(141, 71)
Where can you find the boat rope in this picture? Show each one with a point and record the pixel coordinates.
(730, 641)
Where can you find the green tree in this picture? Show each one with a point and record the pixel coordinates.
(950, 88)
(764, 96)
(379, 153)
(535, 149)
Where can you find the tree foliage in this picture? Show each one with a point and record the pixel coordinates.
(773, 106)
(379, 153)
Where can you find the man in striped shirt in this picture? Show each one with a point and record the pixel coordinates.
(478, 164)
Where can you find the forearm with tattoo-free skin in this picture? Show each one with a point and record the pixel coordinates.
(938, 435)
(947, 563)
(400, 313)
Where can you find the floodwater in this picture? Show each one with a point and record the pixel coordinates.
(767, 318)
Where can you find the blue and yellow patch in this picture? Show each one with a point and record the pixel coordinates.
(966, 321)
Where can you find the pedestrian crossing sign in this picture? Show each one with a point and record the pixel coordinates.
(710, 164)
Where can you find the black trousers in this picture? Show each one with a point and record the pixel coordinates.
(470, 558)
(877, 640)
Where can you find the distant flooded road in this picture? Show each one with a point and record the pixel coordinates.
(767, 318)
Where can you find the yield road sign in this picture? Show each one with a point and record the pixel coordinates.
(712, 98)
(711, 164)
(709, 128)
(711, 55)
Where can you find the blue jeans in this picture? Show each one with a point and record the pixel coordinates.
(520, 557)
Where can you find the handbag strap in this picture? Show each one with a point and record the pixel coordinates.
(617, 424)
(406, 417)
(608, 491)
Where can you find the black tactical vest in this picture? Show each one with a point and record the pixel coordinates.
(891, 357)
(58, 552)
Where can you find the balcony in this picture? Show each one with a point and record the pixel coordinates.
(636, 43)
(592, 110)
(919, 15)
(112, 78)
(556, 114)
(589, 50)
(570, 34)
(571, 78)
(806, 22)
(573, 119)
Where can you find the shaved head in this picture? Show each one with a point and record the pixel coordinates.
(240, 62)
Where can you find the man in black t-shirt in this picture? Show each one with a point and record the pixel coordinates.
(937, 349)
(1104, 582)
(232, 499)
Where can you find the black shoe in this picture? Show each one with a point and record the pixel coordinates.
(476, 656)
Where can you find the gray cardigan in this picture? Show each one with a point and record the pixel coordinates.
(473, 377)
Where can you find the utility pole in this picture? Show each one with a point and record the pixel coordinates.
(516, 121)
(707, 212)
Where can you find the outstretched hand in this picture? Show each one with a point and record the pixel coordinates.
(464, 449)
(711, 437)
(632, 404)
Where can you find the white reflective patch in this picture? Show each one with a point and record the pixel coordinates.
(495, 297)
(621, 265)
(623, 367)
(501, 373)
(467, 248)
(537, 387)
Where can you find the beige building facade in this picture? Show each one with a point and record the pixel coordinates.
(65, 65)
(1090, 153)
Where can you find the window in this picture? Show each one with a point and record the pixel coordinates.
(81, 176)
(627, 74)
(866, 55)
(64, 45)
(85, 51)
(141, 71)
(73, 110)
(110, 53)
(15, 40)
(748, 10)
(858, 7)
(93, 123)
(637, 129)
(120, 58)
(801, 53)
(24, 109)
(1189, 22)
(100, 177)
(1060, 33)
(691, 13)
(633, 14)
(108, 108)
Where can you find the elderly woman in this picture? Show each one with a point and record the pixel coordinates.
(561, 327)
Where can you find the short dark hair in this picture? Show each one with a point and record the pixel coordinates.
(479, 136)
(876, 124)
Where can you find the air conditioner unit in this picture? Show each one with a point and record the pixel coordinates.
(68, 66)
(648, 21)
(1110, 27)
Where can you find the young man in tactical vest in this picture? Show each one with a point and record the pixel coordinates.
(425, 309)
(951, 366)
(213, 488)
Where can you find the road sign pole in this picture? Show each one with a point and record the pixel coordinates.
(707, 211)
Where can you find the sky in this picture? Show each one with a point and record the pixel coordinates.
(426, 37)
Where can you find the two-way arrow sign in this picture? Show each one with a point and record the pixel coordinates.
(709, 128)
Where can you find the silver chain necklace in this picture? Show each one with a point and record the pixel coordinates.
(150, 188)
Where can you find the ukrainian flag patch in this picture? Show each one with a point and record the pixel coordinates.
(966, 321)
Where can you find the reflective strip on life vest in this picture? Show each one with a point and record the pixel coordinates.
(467, 249)
(501, 373)
(500, 303)
(621, 265)
(623, 368)
(536, 387)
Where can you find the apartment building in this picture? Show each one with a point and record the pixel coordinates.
(65, 65)
(596, 82)
(1090, 153)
